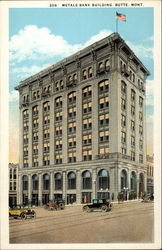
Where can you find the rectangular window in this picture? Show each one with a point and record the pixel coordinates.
(132, 110)
(132, 155)
(123, 103)
(103, 151)
(123, 120)
(87, 155)
(132, 141)
(132, 125)
(123, 137)
(87, 139)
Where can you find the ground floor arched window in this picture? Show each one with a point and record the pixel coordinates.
(123, 178)
(46, 182)
(86, 180)
(71, 180)
(103, 179)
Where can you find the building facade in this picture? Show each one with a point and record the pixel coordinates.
(82, 126)
(13, 184)
(150, 174)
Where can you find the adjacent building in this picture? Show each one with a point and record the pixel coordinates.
(150, 174)
(13, 184)
(82, 127)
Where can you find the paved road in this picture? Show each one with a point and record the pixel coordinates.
(128, 222)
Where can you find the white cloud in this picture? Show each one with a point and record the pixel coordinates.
(23, 72)
(102, 34)
(14, 96)
(39, 43)
(141, 51)
(150, 92)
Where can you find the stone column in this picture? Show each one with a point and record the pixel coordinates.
(79, 125)
(52, 131)
(40, 136)
(29, 190)
(78, 187)
(128, 183)
(51, 185)
(113, 183)
(137, 185)
(19, 193)
(40, 190)
(64, 185)
(30, 138)
(94, 183)
(94, 120)
(64, 128)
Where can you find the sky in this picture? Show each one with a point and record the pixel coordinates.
(41, 37)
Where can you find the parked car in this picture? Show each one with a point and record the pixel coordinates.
(55, 205)
(98, 204)
(21, 212)
(148, 198)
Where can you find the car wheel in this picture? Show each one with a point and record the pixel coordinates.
(61, 205)
(104, 208)
(23, 216)
(87, 209)
(33, 215)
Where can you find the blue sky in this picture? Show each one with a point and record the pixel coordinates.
(41, 37)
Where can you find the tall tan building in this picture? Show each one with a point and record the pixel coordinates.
(82, 126)
(13, 184)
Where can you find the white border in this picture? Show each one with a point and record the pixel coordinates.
(4, 121)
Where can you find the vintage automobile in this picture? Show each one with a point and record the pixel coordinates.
(21, 212)
(148, 198)
(98, 204)
(55, 205)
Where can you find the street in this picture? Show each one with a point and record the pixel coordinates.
(127, 222)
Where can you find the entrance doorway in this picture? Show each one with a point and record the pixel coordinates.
(35, 199)
(45, 198)
(86, 197)
(71, 198)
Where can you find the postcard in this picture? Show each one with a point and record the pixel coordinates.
(80, 124)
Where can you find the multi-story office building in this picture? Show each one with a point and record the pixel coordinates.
(13, 184)
(82, 126)
(150, 174)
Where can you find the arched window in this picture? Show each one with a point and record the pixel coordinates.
(123, 177)
(38, 94)
(85, 74)
(75, 77)
(58, 181)
(35, 182)
(34, 96)
(25, 182)
(72, 97)
(70, 78)
(107, 63)
(141, 183)
(103, 179)
(90, 72)
(71, 180)
(103, 86)
(46, 106)
(101, 66)
(58, 102)
(46, 182)
(49, 89)
(86, 180)
(87, 92)
(133, 182)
